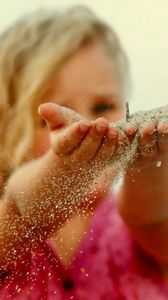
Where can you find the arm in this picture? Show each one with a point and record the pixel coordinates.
(44, 193)
(29, 209)
(30, 216)
(143, 200)
(143, 204)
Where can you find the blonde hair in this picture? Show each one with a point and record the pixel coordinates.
(31, 52)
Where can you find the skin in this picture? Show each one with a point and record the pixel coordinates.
(98, 100)
(143, 200)
(69, 141)
(141, 205)
(71, 138)
(141, 196)
(88, 84)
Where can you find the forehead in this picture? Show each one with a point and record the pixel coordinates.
(87, 72)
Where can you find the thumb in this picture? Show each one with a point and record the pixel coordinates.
(58, 116)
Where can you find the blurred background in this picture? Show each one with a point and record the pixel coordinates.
(143, 29)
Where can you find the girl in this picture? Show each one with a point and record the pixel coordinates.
(54, 168)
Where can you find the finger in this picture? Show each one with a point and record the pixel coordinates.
(122, 137)
(147, 142)
(57, 116)
(108, 146)
(131, 130)
(162, 134)
(93, 140)
(66, 142)
(53, 114)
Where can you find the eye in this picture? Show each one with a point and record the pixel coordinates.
(102, 108)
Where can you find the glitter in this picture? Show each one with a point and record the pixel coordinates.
(158, 164)
(82, 270)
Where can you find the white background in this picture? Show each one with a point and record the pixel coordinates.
(143, 29)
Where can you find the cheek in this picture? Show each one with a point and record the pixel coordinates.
(114, 116)
(118, 116)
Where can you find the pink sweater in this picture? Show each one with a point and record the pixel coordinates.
(108, 266)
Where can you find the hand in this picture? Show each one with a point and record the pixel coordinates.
(76, 139)
(83, 148)
(146, 176)
(152, 148)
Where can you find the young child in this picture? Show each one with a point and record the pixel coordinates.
(71, 68)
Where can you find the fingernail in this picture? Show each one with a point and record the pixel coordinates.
(85, 126)
(100, 127)
(39, 109)
(112, 134)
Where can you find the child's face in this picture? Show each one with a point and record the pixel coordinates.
(88, 84)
